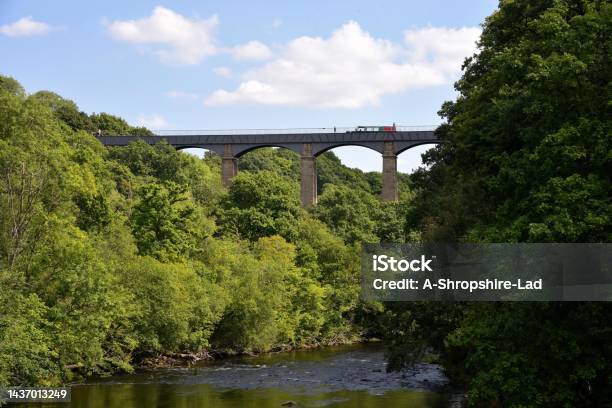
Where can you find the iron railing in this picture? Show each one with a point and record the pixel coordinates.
(338, 129)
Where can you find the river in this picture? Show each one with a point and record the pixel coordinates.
(347, 376)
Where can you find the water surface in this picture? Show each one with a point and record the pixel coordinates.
(352, 376)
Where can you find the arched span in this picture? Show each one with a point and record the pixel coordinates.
(406, 146)
(191, 147)
(410, 158)
(320, 148)
(239, 150)
(215, 149)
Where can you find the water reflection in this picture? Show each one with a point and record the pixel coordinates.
(204, 395)
(334, 377)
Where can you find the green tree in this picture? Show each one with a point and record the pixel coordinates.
(94, 211)
(35, 175)
(89, 313)
(111, 125)
(162, 161)
(280, 161)
(107, 255)
(65, 110)
(528, 161)
(26, 353)
(389, 221)
(12, 86)
(260, 314)
(165, 222)
(349, 213)
(325, 258)
(176, 308)
(258, 205)
(330, 171)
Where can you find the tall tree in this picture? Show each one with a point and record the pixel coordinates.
(528, 161)
(164, 222)
(260, 204)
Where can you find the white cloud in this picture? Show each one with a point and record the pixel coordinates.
(277, 22)
(152, 121)
(25, 27)
(441, 47)
(253, 50)
(181, 95)
(351, 69)
(224, 72)
(175, 38)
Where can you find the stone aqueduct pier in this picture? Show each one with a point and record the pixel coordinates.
(308, 143)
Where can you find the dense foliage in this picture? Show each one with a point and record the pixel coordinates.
(112, 255)
(108, 256)
(529, 161)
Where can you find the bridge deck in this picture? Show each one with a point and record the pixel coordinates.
(320, 139)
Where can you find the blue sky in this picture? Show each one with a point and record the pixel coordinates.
(230, 64)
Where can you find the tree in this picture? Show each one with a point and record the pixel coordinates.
(280, 161)
(162, 161)
(12, 86)
(26, 354)
(65, 110)
(89, 313)
(111, 125)
(108, 255)
(33, 163)
(165, 222)
(348, 213)
(528, 161)
(324, 257)
(389, 221)
(331, 171)
(176, 308)
(265, 309)
(258, 205)
(94, 211)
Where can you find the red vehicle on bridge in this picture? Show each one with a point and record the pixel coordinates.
(376, 128)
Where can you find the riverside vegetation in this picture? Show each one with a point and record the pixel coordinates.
(108, 256)
(529, 161)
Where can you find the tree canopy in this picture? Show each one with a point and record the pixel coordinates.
(109, 256)
(528, 161)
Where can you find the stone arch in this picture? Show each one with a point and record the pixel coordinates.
(403, 146)
(320, 148)
(215, 149)
(239, 150)
(410, 156)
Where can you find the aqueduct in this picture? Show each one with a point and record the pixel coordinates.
(308, 143)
